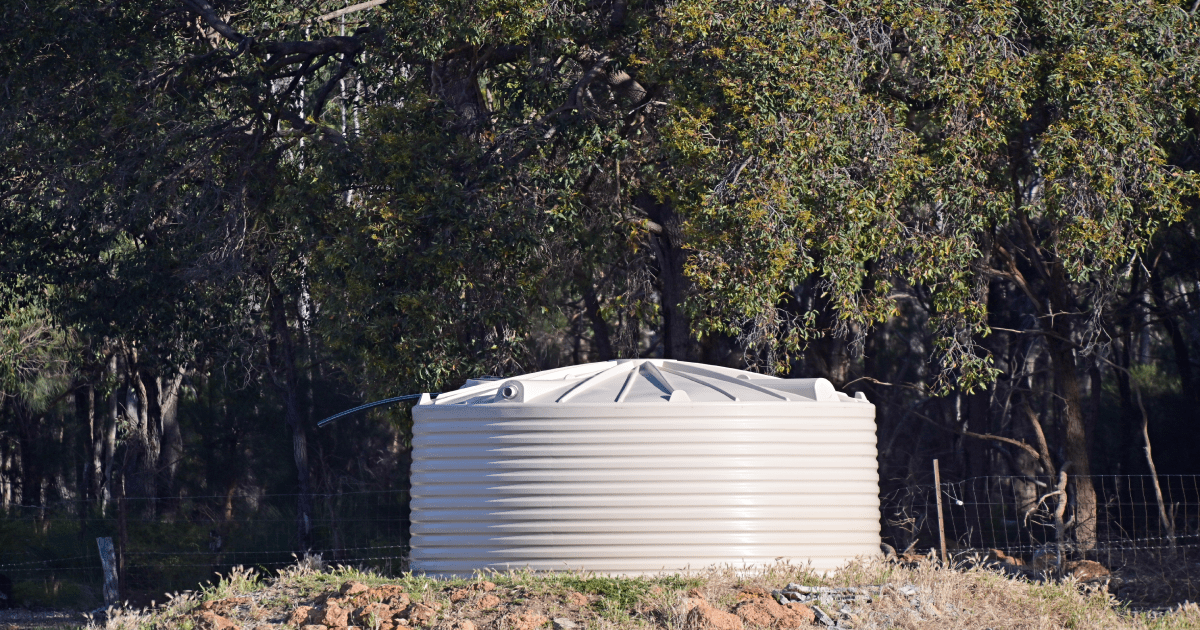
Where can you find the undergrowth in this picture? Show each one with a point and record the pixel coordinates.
(970, 599)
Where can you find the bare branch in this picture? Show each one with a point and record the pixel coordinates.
(980, 436)
(354, 8)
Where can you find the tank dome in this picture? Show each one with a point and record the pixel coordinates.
(643, 381)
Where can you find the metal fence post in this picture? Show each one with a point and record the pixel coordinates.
(937, 482)
(108, 560)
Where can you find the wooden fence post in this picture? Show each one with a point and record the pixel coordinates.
(108, 560)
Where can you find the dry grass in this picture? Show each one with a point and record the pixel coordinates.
(923, 596)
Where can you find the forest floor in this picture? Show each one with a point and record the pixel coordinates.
(873, 595)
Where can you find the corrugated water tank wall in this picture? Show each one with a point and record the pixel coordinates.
(642, 466)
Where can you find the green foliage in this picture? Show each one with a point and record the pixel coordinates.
(877, 145)
(620, 595)
(54, 593)
(446, 189)
(238, 581)
(37, 356)
(885, 148)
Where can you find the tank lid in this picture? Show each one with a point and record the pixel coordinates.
(643, 381)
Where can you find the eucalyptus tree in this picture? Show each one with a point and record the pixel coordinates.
(770, 164)
(146, 152)
(429, 186)
(935, 147)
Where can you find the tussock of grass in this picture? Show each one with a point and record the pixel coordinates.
(963, 599)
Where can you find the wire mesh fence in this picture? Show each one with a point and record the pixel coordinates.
(1016, 515)
(50, 555)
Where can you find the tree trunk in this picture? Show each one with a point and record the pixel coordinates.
(978, 421)
(1183, 360)
(601, 339)
(670, 259)
(1066, 381)
(1130, 462)
(290, 389)
(109, 442)
(6, 482)
(29, 443)
(170, 451)
(85, 417)
(142, 462)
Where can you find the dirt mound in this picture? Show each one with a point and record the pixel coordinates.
(872, 596)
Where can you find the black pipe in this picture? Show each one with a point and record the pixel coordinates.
(371, 405)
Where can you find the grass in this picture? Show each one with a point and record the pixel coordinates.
(970, 599)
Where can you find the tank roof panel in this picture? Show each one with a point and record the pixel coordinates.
(641, 381)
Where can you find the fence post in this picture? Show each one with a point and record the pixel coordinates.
(937, 482)
(108, 560)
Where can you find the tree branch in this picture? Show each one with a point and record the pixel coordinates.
(354, 8)
(981, 436)
(322, 94)
(209, 15)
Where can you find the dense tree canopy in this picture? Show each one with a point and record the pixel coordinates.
(236, 216)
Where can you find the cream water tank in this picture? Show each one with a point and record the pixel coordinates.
(642, 466)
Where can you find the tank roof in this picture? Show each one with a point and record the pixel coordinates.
(642, 381)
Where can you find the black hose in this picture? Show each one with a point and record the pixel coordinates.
(371, 405)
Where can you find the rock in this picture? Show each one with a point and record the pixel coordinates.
(822, 617)
(333, 616)
(579, 599)
(908, 590)
(703, 616)
(464, 625)
(208, 620)
(750, 592)
(1086, 570)
(325, 598)
(373, 614)
(527, 621)
(561, 623)
(353, 588)
(486, 587)
(488, 601)
(389, 594)
(999, 557)
(1045, 559)
(421, 614)
(766, 612)
(459, 594)
(299, 616)
(224, 606)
